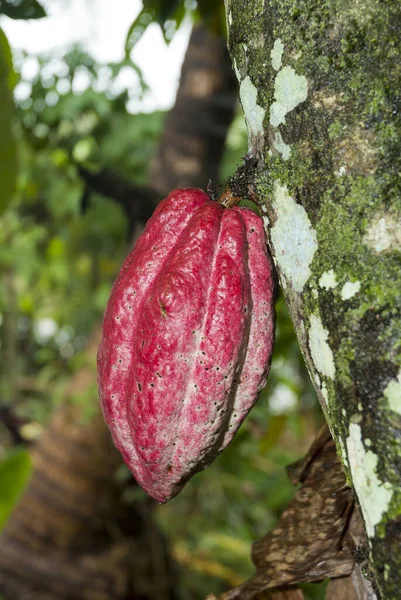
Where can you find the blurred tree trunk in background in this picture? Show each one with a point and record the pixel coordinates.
(72, 536)
(195, 131)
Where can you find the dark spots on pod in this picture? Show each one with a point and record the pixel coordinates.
(252, 230)
(120, 361)
(169, 468)
(204, 353)
(139, 387)
(143, 343)
(118, 318)
(112, 396)
(158, 374)
(217, 368)
(152, 385)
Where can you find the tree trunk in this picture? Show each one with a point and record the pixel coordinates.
(72, 536)
(195, 131)
(319, 85)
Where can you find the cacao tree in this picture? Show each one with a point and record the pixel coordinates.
(319, 86)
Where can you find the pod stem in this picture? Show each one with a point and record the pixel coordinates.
(228, 198)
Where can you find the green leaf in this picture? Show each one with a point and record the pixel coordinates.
(154, 11)
(5, 51)
(8, 149)
(23, 9)
(15, 471)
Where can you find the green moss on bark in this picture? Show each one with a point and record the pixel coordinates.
(327, 77)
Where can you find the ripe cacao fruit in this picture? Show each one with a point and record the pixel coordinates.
(187, 338)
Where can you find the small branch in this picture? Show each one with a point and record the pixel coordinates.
(137, 201)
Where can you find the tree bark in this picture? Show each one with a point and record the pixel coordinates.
(319, 85)
(72, 536)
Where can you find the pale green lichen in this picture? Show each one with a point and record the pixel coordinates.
(320, 350)
(293, 237)
(328, 280)
(374, 496)
(281, 147)
(349, 289)
(384, 233)
(266, 221)
(277, 54)
(254, 114)
(236, 70)
(290, 90)
(393, 394)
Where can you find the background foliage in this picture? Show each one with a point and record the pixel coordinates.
(62, 244)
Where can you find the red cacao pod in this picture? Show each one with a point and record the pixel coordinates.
(187, 338)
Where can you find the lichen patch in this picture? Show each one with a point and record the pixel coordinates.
(293, 237)
(321, 352)
(393, 394)
(281, 147)
(374, 496)
(328, 280)
(290, 90)
(277, 54)
(254, 114)
(384, 233)
(349, 289)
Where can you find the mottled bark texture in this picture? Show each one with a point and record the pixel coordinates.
(320, 87)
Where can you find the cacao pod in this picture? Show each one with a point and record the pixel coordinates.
(187, 338)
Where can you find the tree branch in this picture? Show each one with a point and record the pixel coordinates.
(137, 201)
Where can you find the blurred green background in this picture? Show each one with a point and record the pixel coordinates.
(61, 247)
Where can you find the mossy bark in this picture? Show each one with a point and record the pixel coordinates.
(320, 87)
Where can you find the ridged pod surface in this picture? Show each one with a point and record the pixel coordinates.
(187, 338)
